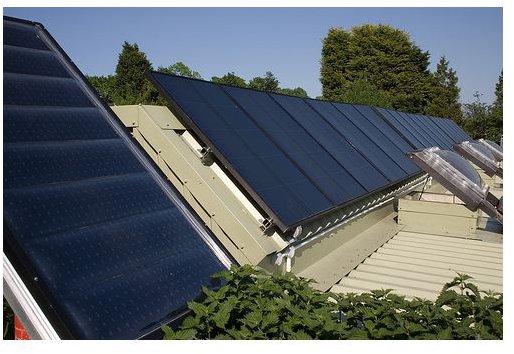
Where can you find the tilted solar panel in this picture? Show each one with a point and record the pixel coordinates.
(107, 248)
(298, 158)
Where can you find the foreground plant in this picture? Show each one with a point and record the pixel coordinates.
(253, 304)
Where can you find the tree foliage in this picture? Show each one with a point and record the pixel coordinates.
(255, 305)
(485, 121)
(230, 79)
(383, 56)
(362, 91)
(179, 68)
(130, 82)
(106, 87)
(445, 96)
(268, 82)
(298, 91)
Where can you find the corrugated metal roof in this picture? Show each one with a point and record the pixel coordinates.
(415, 264)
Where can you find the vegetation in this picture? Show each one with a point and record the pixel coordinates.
(255, 305)
(445, 95)
(381, 55)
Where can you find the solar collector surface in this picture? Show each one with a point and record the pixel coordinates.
(112, 253)
(274, 144)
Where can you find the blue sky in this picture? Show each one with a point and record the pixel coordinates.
(285, 41)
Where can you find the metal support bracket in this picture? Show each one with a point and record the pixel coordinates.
(266, 224)
(206, 156)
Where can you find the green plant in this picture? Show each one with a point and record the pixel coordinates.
(255, 305)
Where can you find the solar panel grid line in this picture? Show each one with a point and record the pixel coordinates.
(425, 126)
(362, 142)
(460, 134)
(378, 135)
(400, 127)
(435, 131)
(50, 205)
(446, 131)
(445, 124)
(373, 116)
(441, 133)
(285, 144)
(373, 162)
(416, 131)
(226, 163)
(353, 152)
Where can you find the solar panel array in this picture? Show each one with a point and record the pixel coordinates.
(299, 157)
(86, 220)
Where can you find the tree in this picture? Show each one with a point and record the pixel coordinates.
(361, 91)
(230, 79)
(130, 82)
(496, 116)
(382, 55)
(268, 82)
(105, 86)
(179, 68)
(477, 118)
(445, 99)
(298, 91)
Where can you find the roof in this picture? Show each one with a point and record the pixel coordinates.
(418, 265)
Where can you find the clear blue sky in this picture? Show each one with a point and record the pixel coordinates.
(285, 41)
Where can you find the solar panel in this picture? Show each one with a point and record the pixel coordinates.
(451, 129)
(424, 124)
(371, 142)
(288, 156)
(105, 245)
(402, 128)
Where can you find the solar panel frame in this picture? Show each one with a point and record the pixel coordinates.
(14, 251)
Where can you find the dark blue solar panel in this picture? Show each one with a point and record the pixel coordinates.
(377, 125)
(414, 128)
(30, 61)
(312, 158)
(405, 130)
(334, 128)
(452, 129)
(249, 152)
(422, 125)
(447, 142)
(92, 228)
(29, 124)
(354, 121)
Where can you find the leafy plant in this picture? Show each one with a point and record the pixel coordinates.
(255, 305)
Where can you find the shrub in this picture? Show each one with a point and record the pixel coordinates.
(253, 304)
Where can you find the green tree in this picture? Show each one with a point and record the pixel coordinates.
(445, 99)
(268, 82)
(495, 131)
(105, 86)
(298, 91)
(179, 68)
(382, 55)
(362, 91)
(131, 85)
(230, 79)
(477, 118)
